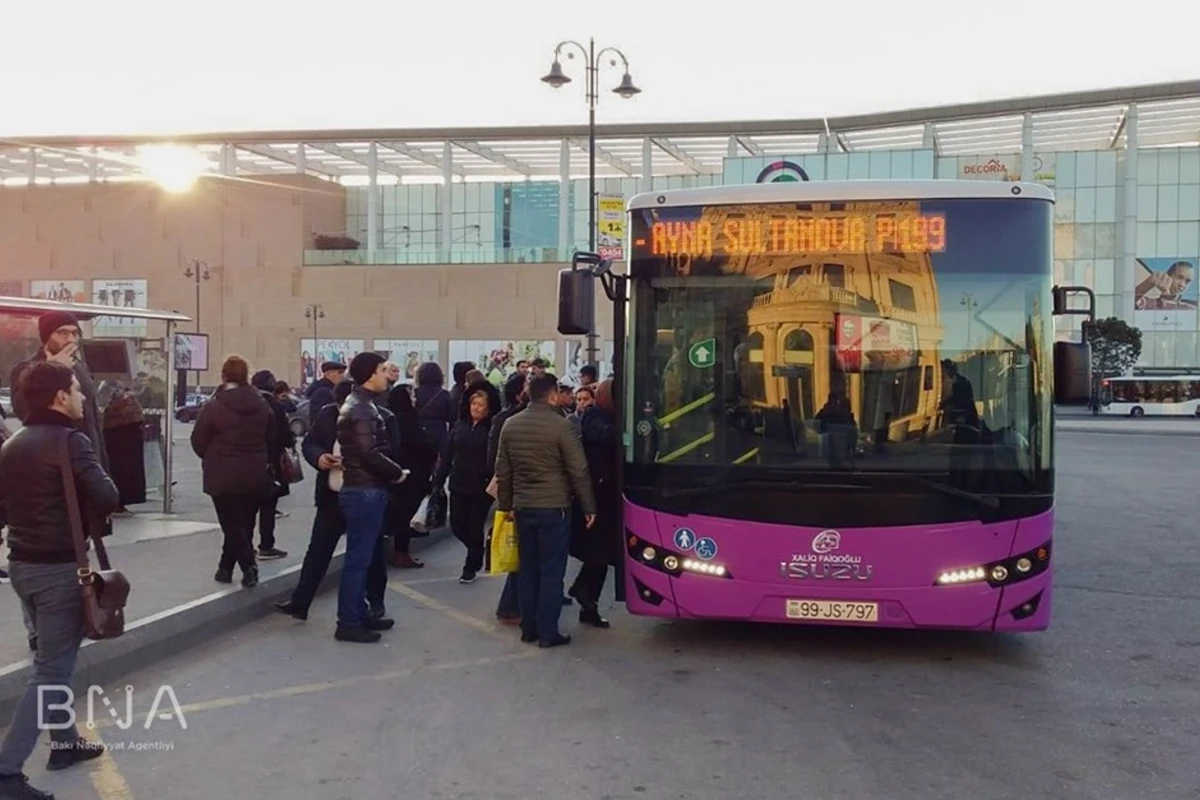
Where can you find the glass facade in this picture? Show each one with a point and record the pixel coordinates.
(1138, 254)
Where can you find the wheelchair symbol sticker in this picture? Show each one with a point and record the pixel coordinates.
(706, 549)
(685, 538)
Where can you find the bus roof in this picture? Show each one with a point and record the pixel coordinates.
(839, 192)
(1192, 377)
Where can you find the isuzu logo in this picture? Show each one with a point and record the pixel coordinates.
(824, 563)
(826, 542)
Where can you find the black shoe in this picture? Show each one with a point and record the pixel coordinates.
(529, 638)
(557, 641)
(591, 616)
(376, 613)
(289, 608)
(16, 787)
(379, 623)
(33, 644)
(568, 601)
(4, 576)
(467, 577)
(250, 577)
(68, 755)
(356, 635)
(271, 553)
(223, 575)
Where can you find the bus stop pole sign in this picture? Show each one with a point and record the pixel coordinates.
(703, 354)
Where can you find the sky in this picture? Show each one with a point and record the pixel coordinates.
(134, 66)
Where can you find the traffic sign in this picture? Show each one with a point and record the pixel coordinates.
(703, 354)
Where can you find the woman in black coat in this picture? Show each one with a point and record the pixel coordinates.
(464, 460)
(416, 454)
(597, 546)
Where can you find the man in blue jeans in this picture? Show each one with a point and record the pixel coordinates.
(367, 471)
(540, 468)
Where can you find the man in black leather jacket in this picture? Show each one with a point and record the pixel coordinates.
(329, 523)
(42, 563)
(367, 471)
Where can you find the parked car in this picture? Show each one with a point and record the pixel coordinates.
(191, 407)
(298, 419)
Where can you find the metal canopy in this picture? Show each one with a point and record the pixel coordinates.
(26, 307)
(1168, 115)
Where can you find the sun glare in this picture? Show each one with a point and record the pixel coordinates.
(174, 168)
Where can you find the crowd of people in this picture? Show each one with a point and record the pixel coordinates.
(537, 453)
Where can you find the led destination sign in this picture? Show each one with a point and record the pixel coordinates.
(809, 233)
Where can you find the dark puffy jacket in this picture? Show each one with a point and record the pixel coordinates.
(32, 495)
(465, 456)
(320, 440)
(366, 447)
(233, 436)
(541, 463)
(319, 394)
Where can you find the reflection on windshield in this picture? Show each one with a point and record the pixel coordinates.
(888, 360)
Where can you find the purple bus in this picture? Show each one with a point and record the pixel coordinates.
(836, 401)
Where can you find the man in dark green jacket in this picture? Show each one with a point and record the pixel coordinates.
(540, 468)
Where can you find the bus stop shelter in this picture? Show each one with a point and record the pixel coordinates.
(24, 307)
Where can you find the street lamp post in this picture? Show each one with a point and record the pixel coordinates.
(313, 313)
(556, 78)
(198, 270)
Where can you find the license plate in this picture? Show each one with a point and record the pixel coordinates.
(833, 610)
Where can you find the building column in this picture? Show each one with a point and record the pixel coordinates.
(1123, 279)
(564, 200)
(929, 138)
(1027, 148)
(372, 201)
(31, 167)
(731, 150)
(94, 165)
(228, 160)
(301, 159)
(647, 182)
(446, 213)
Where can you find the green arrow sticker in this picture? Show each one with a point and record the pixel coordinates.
(702, 354)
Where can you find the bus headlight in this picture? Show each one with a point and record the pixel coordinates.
(999, 573)
(649, 553)
(671, 563)
(703, 567)
(955, 576)
(1024, 565)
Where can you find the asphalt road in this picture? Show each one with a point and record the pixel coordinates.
(1105, 705)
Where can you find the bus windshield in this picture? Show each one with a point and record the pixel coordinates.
(772, 341)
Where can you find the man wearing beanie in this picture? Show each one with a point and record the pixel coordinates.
(367, 471)
(59, 331)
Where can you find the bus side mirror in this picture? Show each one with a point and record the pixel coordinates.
(1072, 373)
(1060, 300)
(576, 302)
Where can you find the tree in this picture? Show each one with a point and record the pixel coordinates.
(1116, 346)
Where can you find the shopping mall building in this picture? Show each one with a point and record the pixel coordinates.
(444, 244)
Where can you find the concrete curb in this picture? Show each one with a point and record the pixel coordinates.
(1190, 432)
(175, 630)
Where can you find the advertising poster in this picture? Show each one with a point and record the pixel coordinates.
(313, 353)
(1165, 293)
(59, 291)
(498, 358)
(610, 226)
(408, 354)
(872, 344)
(119, 294)
(191, 351)
(577, 356)
(12, 289)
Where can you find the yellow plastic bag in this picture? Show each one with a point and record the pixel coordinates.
(505, 553)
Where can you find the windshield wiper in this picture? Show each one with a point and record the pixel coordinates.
(984, 500)
(757, 483)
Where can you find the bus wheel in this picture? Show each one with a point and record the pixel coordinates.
(1137, 411)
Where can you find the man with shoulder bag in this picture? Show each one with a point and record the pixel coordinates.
(48, 563)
